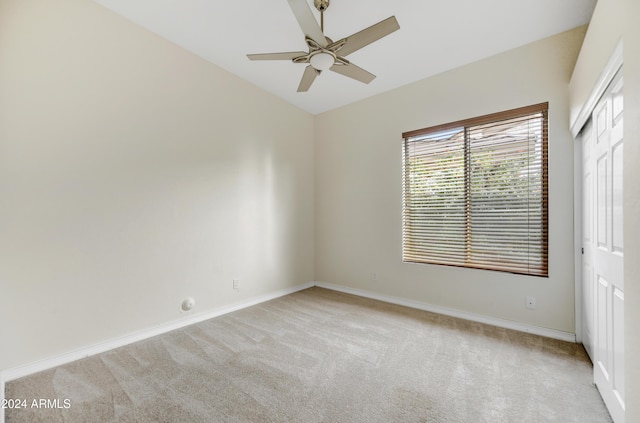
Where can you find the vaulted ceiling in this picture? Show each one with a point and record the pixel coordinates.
(434, 36)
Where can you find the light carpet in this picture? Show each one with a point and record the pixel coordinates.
(323, 356)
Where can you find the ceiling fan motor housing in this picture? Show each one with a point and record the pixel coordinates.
(321, 5)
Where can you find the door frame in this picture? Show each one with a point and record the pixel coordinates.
(577, 234)
(606, 77)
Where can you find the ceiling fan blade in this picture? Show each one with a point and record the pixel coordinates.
(307, 21)
(367, 36)
(309, 75)
(277, 56)
(353, 71)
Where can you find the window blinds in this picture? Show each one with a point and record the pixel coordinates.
(475, 193)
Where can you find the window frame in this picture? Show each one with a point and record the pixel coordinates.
(466, 124)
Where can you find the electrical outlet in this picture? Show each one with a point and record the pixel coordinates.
(531, 303)
(374, 276)
(236, 284)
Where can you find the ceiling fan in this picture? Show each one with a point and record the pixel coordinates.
(325, 54)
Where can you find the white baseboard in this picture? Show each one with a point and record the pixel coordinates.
(493, 321)
(48, 363)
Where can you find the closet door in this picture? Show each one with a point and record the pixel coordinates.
(604, 247)
(588, 280)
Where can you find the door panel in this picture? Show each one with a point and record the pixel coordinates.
(618, 343)
(588, 316)
(616, 218)
(601, 195)
(603, 246)
(602, 324)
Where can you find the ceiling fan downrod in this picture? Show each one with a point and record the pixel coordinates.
(321, 5)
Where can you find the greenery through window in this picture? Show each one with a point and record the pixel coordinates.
(475, 193)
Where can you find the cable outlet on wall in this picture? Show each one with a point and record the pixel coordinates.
(187, 304)
(236, 284)
(531, 303)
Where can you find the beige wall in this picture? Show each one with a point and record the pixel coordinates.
(605, 30)
(611, 21)
(359, 193)
(132, 175)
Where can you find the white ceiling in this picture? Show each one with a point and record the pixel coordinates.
(434, 36)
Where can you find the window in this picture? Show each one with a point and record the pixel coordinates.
(475, 193)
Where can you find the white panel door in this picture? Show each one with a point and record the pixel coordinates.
(588, 280)
(603, 281)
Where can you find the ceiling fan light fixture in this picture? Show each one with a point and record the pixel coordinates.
(322, 60)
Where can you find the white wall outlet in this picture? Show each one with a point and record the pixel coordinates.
(236, 284)
(531, 303)
(374, 276)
